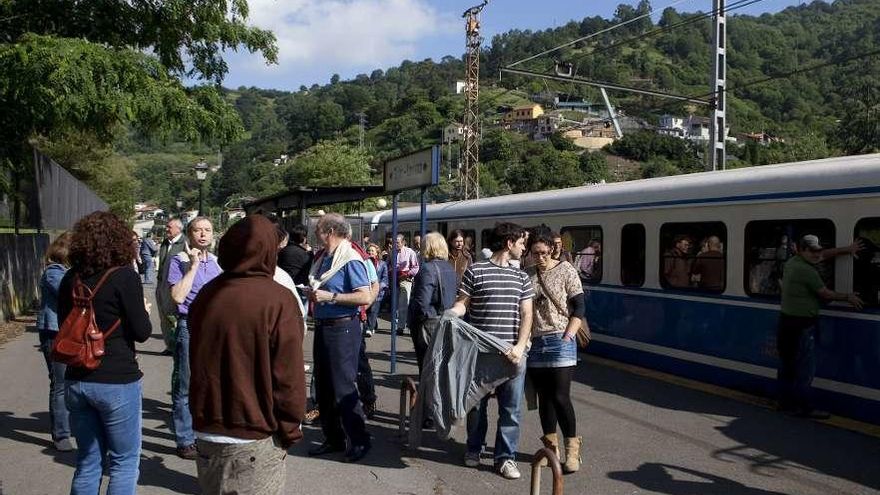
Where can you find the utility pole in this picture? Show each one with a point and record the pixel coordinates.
(362, 123)
(718, 82)
(470, 172)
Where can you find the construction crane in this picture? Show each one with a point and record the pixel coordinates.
(470, 168)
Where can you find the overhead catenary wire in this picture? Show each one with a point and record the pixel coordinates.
(593, 35)
(690, 20)
(784, 75)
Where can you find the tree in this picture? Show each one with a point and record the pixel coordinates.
(178, 32)
(594, 166)
(83, 67)
(310, 119)
(53, 87)
(329, 164)
(858, 130)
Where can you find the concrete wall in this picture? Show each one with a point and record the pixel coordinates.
(21, 264)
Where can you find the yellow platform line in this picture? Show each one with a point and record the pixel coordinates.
(837, 421)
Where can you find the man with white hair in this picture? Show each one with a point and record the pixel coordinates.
(173, 243)
(339, 284)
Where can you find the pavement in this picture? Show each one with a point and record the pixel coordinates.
(643, 434)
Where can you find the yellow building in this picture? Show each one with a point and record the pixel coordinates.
(526, 112)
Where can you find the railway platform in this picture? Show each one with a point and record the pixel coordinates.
(644, 433)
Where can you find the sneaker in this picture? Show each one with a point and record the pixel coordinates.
(472, 459)
(508, 470)
(369, 332)
(64, 445)
(311, 416)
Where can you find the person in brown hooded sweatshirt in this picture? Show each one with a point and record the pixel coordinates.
(248, 389)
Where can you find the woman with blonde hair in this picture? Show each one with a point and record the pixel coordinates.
(57, 263)
(433, 292)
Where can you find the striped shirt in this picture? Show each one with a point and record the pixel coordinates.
(495, 294)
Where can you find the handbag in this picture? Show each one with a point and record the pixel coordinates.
(583, 335)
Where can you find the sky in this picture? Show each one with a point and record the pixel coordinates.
(319, 38)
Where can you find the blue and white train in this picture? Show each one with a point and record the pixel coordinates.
(723, 334)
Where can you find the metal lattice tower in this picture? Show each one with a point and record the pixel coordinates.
(470, 168)
(718, 82)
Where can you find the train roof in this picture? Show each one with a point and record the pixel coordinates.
(831, 176)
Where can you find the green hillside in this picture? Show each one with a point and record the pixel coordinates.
(341, 132)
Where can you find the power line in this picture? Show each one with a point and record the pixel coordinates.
(593, 35)
(784, 75)
(600, 84)
(691, 20)
(798, 71)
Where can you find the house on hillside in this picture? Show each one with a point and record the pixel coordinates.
(532, 121)
(694, 128)
(524, 112)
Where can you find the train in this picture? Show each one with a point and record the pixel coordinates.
(723, 333)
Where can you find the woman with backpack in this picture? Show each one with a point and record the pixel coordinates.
(104, 397)
(47, 324)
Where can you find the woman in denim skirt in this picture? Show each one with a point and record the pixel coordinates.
(558, 309)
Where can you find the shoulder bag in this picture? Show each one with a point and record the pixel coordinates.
(583, 333)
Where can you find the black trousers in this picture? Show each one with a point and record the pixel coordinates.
(796, 345)
(337, 350)
(366, 387)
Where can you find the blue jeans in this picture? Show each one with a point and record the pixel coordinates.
(106, 421)
(181, 417)
(58, 415)
(148, 270)
(509, 395)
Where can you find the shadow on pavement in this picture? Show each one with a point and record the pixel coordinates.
(155, 473)
(656, 477)
(770, 442)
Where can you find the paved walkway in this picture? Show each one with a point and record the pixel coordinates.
(641, 436)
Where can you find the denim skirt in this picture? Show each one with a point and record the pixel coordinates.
(550, 351)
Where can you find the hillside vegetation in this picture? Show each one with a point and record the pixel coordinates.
(818, 113)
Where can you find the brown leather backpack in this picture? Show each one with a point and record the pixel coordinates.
(80, 343)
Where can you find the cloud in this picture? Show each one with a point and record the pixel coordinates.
(342, 36)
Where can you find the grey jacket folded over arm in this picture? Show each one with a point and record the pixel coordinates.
(463, 365)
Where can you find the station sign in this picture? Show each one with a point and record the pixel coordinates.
(413, 171)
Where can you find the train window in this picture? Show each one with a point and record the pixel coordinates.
(632, 255)
(866, 270)
(585, 245)
(770, 243)
(693, 256)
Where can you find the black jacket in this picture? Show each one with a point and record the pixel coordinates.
(297, 262)
(121, 297)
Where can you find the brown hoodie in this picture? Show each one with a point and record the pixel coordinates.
(246, 335)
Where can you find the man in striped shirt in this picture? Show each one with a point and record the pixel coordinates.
(497, 298)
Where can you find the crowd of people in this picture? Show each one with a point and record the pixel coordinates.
(235, 322)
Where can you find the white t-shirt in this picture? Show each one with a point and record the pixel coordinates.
(283, 278)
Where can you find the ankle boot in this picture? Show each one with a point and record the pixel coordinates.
(551, 441)
(572, 455)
